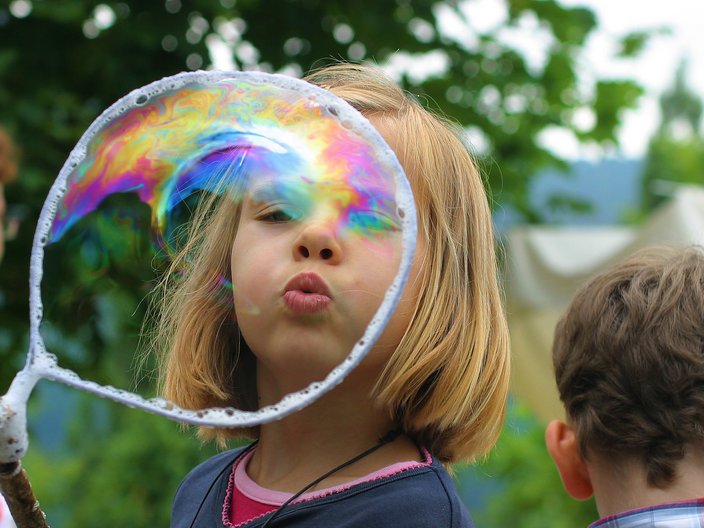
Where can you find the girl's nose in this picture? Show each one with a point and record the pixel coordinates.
(318, 241)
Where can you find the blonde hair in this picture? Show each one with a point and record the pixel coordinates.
(446, 384)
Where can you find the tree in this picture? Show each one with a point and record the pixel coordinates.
(676, 151)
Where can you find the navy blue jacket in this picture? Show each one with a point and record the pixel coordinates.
(422, 497)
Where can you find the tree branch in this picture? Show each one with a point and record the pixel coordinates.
(20, 498)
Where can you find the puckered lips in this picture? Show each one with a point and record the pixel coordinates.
(307, 293)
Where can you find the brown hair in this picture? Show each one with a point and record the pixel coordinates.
(447, 381)
(629, 360)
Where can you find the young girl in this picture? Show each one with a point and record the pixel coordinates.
(432, 391)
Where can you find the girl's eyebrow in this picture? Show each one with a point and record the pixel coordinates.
(301, 191)
(258, 191)
(281, 188)
(264, 193)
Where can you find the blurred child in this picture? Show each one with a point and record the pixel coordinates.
(629, 364)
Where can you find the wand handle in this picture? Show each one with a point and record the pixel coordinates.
(20, 498)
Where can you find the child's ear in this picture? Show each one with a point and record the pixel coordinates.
(563, 447)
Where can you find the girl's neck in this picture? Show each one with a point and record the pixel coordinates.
(300, 448)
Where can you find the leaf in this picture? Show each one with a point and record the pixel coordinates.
(612, 98)
(633, 44)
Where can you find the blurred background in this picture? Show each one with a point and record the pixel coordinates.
(586, 119)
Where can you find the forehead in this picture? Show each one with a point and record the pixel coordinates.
(321, 184)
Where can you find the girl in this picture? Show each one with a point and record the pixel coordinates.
(432, 391)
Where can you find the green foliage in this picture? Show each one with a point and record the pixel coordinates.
(634, 43)
(676, 152)
(612, 98)
(530, 493)
(120, 468)
(680, 106)
(671, 162)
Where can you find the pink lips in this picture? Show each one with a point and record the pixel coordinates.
(307, 293)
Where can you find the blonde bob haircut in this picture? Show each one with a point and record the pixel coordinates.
(446, 384)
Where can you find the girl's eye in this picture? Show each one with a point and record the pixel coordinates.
(278, 215)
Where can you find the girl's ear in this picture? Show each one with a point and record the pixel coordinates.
(563, 447)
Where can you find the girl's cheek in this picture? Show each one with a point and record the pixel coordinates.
(386, 248)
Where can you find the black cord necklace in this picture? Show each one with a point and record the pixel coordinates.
(387, 438)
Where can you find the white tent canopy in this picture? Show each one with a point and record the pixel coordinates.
(546, 265)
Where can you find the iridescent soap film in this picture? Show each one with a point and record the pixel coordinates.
(220, 137)
(165, 154)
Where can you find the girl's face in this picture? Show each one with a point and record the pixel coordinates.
(308, 274)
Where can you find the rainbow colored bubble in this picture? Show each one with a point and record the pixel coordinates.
(238, 135)
(219, 137)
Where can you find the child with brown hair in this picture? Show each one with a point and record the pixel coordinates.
(433, 389)
(629, 364)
